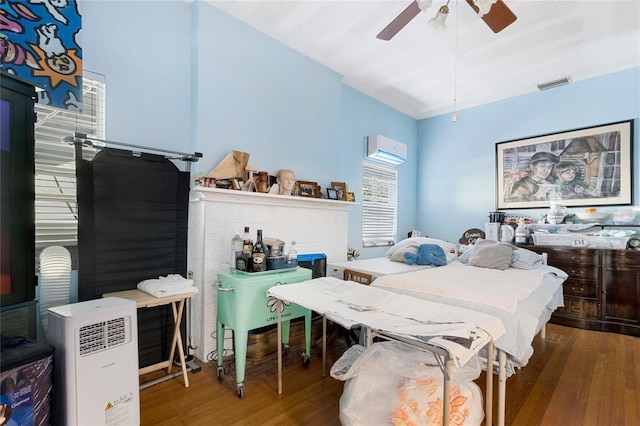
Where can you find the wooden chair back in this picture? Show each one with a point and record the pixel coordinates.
(358, 277)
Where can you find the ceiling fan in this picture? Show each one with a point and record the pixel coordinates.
(494, 13)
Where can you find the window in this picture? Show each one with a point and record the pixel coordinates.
(56, 207)
(379, 205)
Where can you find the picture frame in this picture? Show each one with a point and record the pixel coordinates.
(308, 189)
(532, 171)
(341, 188)
(351, 197)
(332, 194)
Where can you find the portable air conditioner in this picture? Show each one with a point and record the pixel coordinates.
(387, 150)
(96, 362)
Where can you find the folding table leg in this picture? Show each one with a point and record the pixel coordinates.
(177, 341)
(324, 346)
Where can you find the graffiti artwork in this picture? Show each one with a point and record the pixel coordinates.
(39, 43)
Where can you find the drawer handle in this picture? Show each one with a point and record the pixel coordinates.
(577, 259)
(578, 290)
(577, 273)
(574, 309)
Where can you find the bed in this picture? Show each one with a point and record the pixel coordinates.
(479, 280)
(513, 284)
(374, 267)
(538, 293)
(381, 266)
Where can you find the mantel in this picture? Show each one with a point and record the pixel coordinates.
(246, 197)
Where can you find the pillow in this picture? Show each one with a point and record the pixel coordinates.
(396, 253)
(526, 259)
(428, 254)
(491, 254)
(464, 257)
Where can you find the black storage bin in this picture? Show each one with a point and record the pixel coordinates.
(317, 262)
(26, 381)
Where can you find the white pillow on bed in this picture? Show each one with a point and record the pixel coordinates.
(464, 257)
(396, 253)
(491, 254)
(526, 259)
(521, 258)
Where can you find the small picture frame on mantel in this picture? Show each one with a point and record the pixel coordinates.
(341, 188)
(332, 194)
(308, 189)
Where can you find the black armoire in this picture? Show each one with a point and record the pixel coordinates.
(132, 226)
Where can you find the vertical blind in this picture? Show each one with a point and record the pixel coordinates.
(55, 202)
(379, 205)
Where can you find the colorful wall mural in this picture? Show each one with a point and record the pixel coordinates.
(39, 42)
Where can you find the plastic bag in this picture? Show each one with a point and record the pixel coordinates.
(392, 383)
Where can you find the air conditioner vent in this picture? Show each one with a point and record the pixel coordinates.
(104, 335)
(385, 150)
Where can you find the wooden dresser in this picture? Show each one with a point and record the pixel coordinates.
(603, 288)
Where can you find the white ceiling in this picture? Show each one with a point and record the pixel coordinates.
(418, 71)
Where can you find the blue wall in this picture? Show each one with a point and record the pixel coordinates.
(456, 178)
(187, 77)
(142, 49)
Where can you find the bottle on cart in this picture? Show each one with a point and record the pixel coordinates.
(247, 249)
(236, 249)
(292, 257)
(259, 254)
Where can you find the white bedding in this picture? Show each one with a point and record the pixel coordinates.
(500, 289)
(522, 299)
(376, 267)
(349, 303)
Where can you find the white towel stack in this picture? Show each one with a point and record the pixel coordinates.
(170, 285)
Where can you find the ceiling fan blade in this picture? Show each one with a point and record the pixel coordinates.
(399, 22)
(498, 18)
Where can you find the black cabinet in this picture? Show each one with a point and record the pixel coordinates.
(17, 226)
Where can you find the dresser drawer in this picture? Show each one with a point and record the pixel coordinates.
(580, 288)
(578, 270)
(575, 256)
(579, 308)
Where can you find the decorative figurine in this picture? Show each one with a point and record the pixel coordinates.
(285, 183)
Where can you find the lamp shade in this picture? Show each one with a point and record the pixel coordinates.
(55, 280)
(438, 21)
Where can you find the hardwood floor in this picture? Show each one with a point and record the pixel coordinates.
(575, 377)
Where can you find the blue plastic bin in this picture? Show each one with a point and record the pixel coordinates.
(317, 262)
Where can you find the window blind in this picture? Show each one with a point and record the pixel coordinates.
(379, 205)
(55, 179)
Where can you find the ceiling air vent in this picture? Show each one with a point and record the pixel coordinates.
(555, 83)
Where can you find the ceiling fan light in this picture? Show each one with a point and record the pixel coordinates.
(438, 21)
(425, 4)
(484, 6)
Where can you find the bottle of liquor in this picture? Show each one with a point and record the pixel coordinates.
(236, 249)
(292, 258)
(259, 255)
(247, 249)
